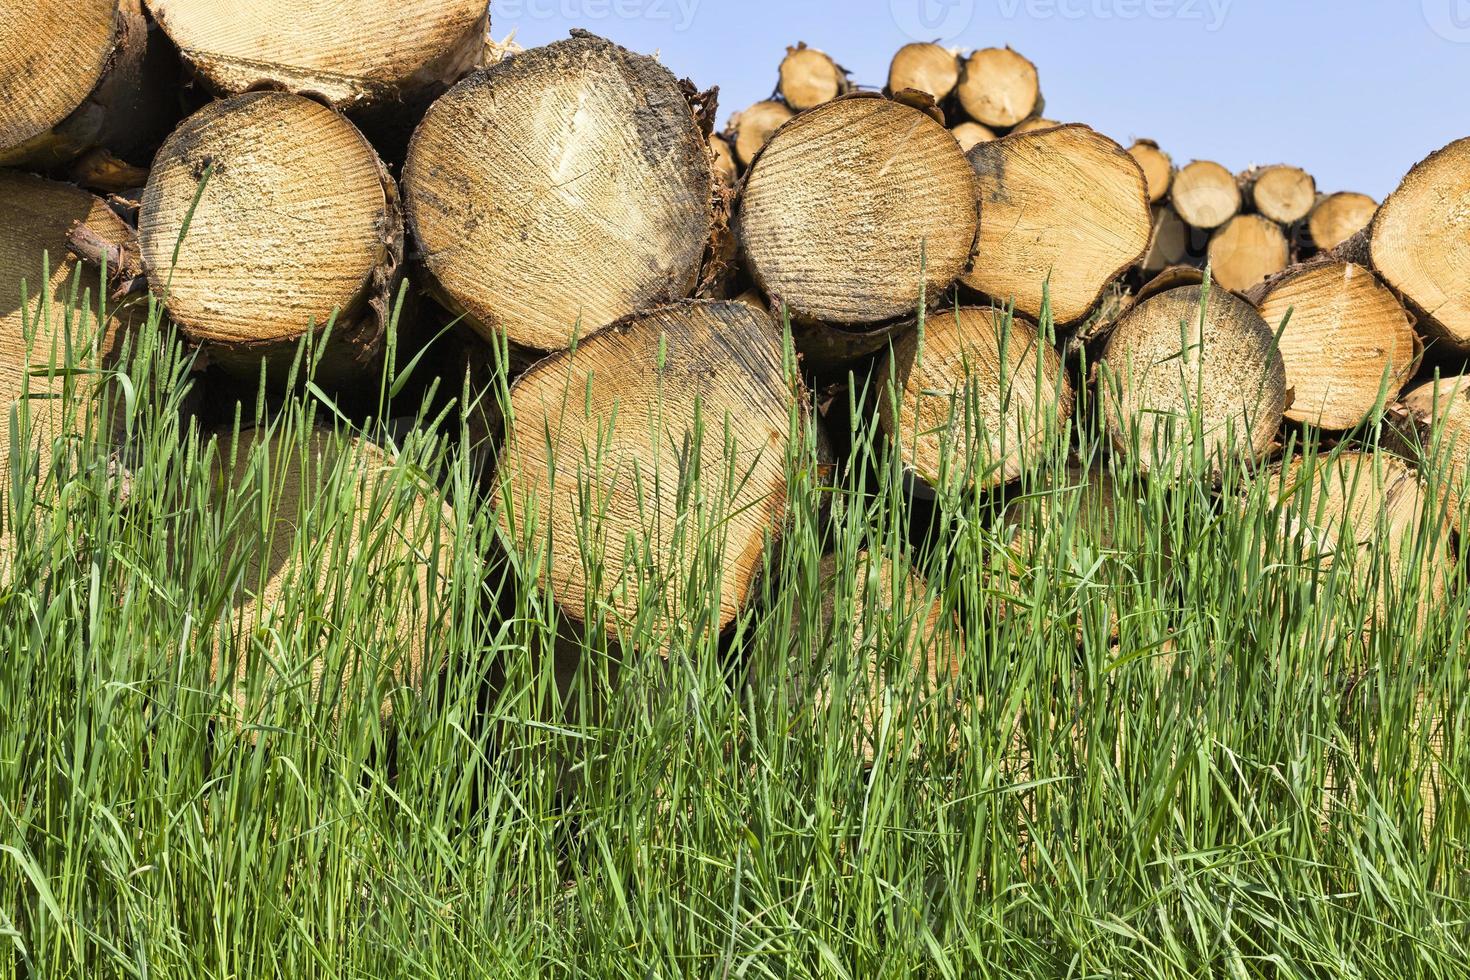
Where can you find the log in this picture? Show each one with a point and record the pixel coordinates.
(1068, 203)
(810, 77)
(883, 629)
(1432, 426)
(629, 399)
(970, 133)
(723, 161)
(1033, 125)
(852, 210)
(351, 54)
(1367, 511)
(1284, 194)
(369, 586)
(999, 88)
(924, 67)
(1158, 168)
(40, 216)
(1338, 217)
(1348, 342)
(1181, 381)
(78, 75)
(1168, 242)
(298, 221)
(751, 129)
(1205, 194)
(1247, 250)
(974, 399)
(561, 190)
(1420, 243)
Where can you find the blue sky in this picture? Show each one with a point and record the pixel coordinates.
(1355, 91)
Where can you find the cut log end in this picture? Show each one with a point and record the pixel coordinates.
(1168, 243)
(976, 400)
(1348, 347)
(999, 88)
(297, 221)
(1434, 428)
(561, 190)
(926, 68)
(1338, 217)
(351, 53)
(601, 439)
(1421, 243)
(967, 134)
(1068, 203)
(853, 208)
(1205, 195)
(810, 77)
(1284, 194)
(1158, 168)
(751, 129)
(1246, 251)
(1175, 383)
(52, 55)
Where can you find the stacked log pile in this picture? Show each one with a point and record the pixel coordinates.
(573, 203)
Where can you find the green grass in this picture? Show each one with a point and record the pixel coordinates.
(1172, 748)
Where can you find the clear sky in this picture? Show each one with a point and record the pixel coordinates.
(1355, 91)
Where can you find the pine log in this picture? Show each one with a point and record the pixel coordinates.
(298, 222)
(1168, 242)
(1284, 194)
(974, 399)
(1182, 380)
(810, 77)
(349, 53)
(1205, 194)
(41, 389)
(600, 442)
(970, 133)
(1247, 250)
(561, 190)
(1338, 217)
(1158, 168)
(1065, 203)
(883, 630)
(852, 210)
(924, 67)
(1349, 345)
(1420, 243)
(999, 88)
(76, 75)
(370, 586)
(751, 129)
(723, 161)
(1373, 513)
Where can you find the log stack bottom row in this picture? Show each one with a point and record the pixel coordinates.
(574, 202)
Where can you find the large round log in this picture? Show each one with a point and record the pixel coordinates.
(1421, 243)
(1348, 344)
(298, 222)
(561, 190)
(602, 442)
(350, 53)
(1065, 204)
(77, 75)
(853, 210)
(338, 547)
(976, 399)
(999, 88)
(924, 67)
(1184, 383)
